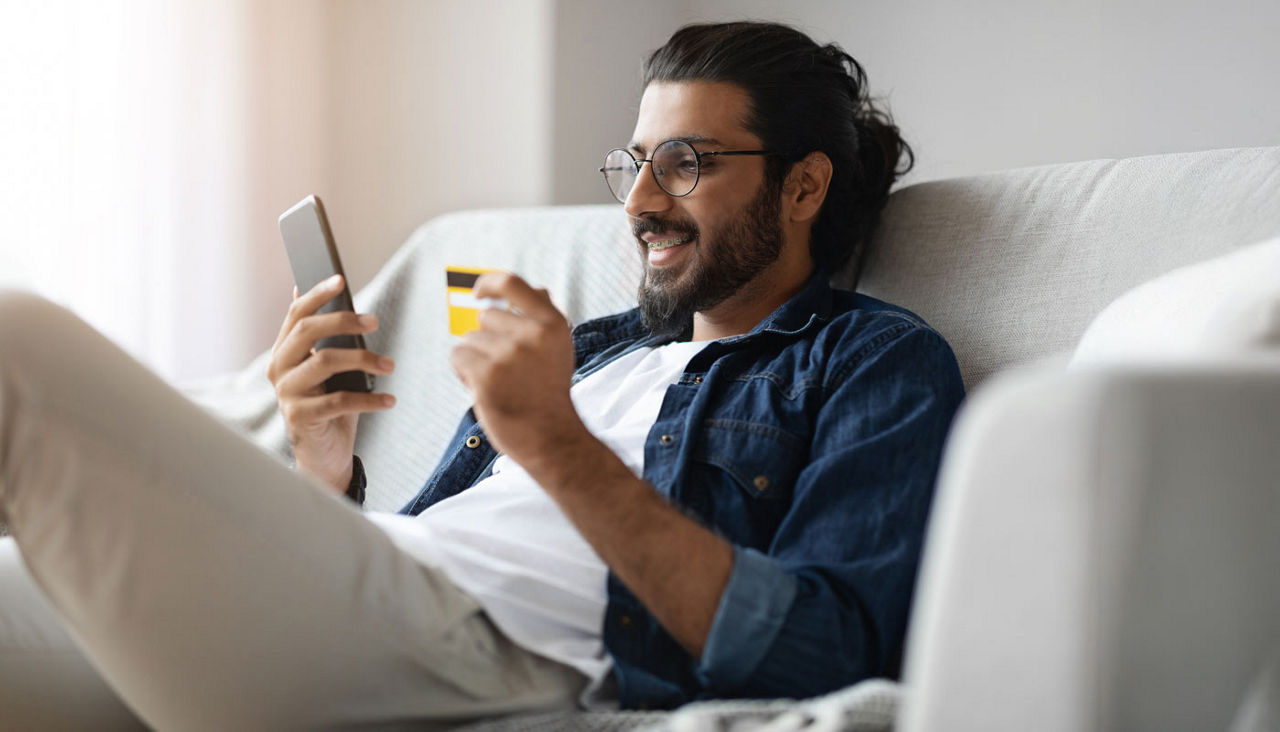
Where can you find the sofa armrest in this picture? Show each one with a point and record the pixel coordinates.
(1104, 552)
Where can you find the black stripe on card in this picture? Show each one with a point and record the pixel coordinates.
(460, 279)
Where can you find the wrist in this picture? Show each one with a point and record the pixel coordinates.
(565, 457)
(338, 480)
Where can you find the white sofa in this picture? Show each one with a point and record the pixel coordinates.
(1104, 551)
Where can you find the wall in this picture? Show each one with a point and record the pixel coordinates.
(994, 84)
(436, 106)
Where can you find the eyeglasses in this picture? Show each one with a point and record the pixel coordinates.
(675, 165)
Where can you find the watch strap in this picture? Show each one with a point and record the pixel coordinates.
(355, 489)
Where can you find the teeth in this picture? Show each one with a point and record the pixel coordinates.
(660, 245)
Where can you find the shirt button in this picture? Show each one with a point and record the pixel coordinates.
(625, 621)
(666, 439)
(761, 483)
(473, 442)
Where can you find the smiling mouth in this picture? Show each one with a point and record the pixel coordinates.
(657, 246)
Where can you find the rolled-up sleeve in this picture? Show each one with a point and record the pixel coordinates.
(754, 606)
(827, 604)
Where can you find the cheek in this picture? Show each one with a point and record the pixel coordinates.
(712, 225)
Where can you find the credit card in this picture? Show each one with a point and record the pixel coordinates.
(464, 306)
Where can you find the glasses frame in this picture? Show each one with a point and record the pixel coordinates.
(697, 156)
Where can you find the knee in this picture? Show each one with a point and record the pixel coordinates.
(28, 321)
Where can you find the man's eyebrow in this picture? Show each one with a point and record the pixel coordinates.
(691, 139)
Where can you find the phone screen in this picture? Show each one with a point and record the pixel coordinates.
(314, 258)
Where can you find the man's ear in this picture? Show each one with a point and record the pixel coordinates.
(806, 186)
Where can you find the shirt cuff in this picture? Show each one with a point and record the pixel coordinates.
(752, 610)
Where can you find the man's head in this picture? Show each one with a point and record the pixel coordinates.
(819, 160)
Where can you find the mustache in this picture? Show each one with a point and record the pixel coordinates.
(658, 225)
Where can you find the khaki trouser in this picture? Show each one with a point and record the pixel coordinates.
(170, 571)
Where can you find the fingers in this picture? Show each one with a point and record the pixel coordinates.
(298, 344)
(310, 375)
(308, 304)
(532, 302)
(334, 404)
(493, 320)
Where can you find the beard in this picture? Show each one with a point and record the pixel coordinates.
(723, 262)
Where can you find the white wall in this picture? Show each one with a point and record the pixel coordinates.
(993, 84)
(436, 106)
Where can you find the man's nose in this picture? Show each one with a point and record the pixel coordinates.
(646, 195)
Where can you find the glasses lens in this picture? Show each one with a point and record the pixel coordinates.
(620, 173)
(675, 165)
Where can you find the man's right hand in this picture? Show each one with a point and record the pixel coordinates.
(322, 426)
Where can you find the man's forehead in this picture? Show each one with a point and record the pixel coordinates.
(705, 112)
(693, 138)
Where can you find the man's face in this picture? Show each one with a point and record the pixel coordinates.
(702, 248)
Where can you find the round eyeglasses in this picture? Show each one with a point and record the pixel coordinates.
(675, 165)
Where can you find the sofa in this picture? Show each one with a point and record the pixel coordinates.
(1104, 548)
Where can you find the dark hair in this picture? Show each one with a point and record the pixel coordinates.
(804, 98)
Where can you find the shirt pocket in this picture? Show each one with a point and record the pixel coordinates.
(743, 475)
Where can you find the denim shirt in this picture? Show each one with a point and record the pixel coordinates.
(811, 444)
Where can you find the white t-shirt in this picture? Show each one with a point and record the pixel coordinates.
(507, 544)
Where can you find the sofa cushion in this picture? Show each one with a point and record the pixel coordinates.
(1222, 307)
(1013, 266)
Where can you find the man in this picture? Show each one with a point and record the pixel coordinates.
(720, 494)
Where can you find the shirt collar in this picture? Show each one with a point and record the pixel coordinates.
(810, 305)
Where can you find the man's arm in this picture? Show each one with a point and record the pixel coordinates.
(827, 604)
(674, 566)
(519, 366)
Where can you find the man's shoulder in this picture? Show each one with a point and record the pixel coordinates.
(861, 317)
(844, 303)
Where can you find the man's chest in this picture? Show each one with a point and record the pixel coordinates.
(732, 436)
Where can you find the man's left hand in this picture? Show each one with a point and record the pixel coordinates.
(518, 366)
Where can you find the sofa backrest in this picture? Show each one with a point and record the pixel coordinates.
(1009, 266)
(1013, 266)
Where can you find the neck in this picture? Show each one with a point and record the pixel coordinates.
(751, 304)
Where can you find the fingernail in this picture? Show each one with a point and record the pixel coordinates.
(385, 363)
(367, 319)
(333, 281)
(388, 400)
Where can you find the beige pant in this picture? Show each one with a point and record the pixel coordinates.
(200, 584)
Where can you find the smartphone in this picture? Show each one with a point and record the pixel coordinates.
(314, 259)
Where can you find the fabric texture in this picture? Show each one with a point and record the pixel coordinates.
(811, 444)
(869, 706)
(1013, 266)
(1219, 308)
